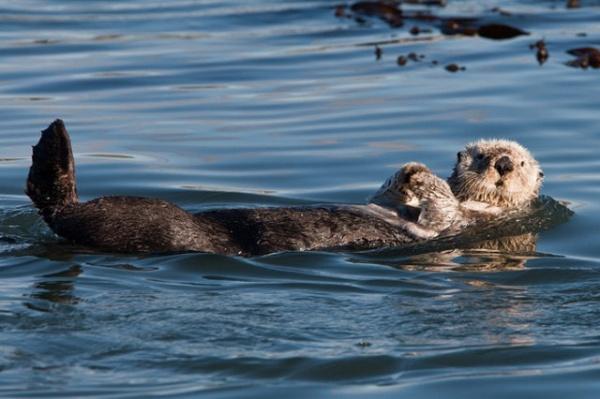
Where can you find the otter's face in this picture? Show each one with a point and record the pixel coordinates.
(498, 172)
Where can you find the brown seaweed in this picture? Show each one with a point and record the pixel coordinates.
(454, 68)
(378, 53)
(586, 57)
(438, 3)
(542, 52)
(470, 27)
(390, 12)
(500, 31)
(387, 12)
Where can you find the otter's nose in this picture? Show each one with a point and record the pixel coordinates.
(504, 165)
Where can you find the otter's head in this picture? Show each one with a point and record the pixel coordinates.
(498, 172)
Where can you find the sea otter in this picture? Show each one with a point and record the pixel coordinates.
(134, 224)
(491, 179)
(490, 176)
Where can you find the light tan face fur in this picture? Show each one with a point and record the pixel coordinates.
(498, 172)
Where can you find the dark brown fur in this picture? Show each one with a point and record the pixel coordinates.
(134, 224)
(51, 180)
(265, 230)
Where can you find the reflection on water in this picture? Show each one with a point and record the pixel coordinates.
(210, 104)
(56, 288)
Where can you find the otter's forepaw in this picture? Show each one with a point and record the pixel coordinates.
(399, 190)
(419, 196)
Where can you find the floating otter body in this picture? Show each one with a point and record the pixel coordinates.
(134, 224)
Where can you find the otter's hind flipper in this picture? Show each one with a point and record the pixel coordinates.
(51, 181)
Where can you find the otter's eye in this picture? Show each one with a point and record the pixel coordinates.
(522, 163)
(541, 174)
(480, 157)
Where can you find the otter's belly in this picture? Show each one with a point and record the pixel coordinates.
(264, 230)
(132, 224)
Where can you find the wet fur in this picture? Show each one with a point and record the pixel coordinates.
(134, 224)
(438, 211)
(489, 176)
(412, 206)
(475, 178)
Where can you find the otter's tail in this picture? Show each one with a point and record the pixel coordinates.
(51, 181)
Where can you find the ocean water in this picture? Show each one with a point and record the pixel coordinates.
(254, 103)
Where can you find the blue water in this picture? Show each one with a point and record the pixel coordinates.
(213, 103)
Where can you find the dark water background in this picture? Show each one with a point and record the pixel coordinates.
(206, 103)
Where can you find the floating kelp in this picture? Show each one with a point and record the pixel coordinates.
(391, 13)
(454, 68)
(388, 12)
(542, 52)
(471, 27)
(438, 3)
(587, 57)
(499, 31)
(414, 57)
(378, 53)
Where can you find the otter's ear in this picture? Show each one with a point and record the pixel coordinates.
(459, 156)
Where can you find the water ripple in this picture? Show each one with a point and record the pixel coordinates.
(225, 103)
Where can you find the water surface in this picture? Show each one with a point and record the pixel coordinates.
(213, 103)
